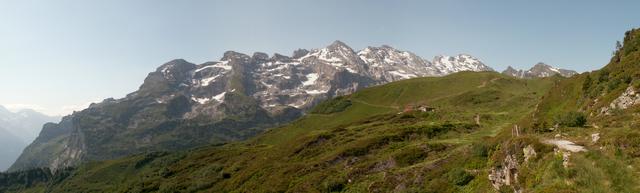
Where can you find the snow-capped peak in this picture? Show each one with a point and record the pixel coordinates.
(304, 78)
(539, 70)
(462, 62)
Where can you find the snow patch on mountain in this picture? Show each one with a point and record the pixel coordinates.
(540, 70)
(310, 76)
(311, 79)
(219, 97)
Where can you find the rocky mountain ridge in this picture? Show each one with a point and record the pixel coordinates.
(183, 105)
(24, 123)
(17, 129)
(540, 70)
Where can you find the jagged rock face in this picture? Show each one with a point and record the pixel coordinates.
(529, 153)
(60, 149)
(539, 70)
(628, 98)
(507, 175)
(388, 64)
(182, 105)
(462, 62)
(545, 70)
(513, 72)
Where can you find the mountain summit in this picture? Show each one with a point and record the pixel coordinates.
(540, 70)
(183, 105)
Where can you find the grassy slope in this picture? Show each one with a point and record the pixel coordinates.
(589, 92)
(367, 147)
(611, 164)
(364, 145)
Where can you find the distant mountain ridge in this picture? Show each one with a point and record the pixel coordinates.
(481, 132)
(17, 130)
(10, 148)
(183, 105)
(540, 70)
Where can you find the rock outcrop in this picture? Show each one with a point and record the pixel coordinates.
(628, 98)
(506, 175)
(540, 70)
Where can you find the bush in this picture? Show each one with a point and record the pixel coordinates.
(480, 150)
(572, 119)
(333, 184)
(432, 131)
(459, 176)
(410, 156)
(540, 126)
(338, 104)
(627, 142)
(586, 85)
(613, 84)
(603, 76)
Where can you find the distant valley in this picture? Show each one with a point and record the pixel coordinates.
(17, 130)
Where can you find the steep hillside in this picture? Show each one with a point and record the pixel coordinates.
(417, 135)
(592, 121)
(183, 105)
(607, 96)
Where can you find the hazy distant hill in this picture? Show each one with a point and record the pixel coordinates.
(10, 148)
(17, 130)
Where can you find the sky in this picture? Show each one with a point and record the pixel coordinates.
(59, 56)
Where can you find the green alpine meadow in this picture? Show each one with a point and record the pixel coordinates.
(344, 117)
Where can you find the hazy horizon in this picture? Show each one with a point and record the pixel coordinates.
(61, 56)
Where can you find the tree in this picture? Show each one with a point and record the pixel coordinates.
(571, 119)
(618, 48)
(586, 84)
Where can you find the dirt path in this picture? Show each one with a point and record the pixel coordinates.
(484, 84)
(565, 145)
(374, 105)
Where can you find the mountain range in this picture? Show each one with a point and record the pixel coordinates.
(183, 105)
(17, 130)
(540, 70)
(462, 132)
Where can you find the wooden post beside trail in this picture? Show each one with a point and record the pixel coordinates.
(515, 131)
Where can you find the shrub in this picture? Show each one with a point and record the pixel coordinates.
(540, 126)
(586, 85)
(432, 131)
(612, 85)
(627, 142)
(439, 185)
(603, 76)
(410, 156)
(571, 119)
(480, 150)
(459, 176)
(338, 104)
(333, 184)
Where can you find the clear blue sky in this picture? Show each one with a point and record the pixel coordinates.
(59, 55)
